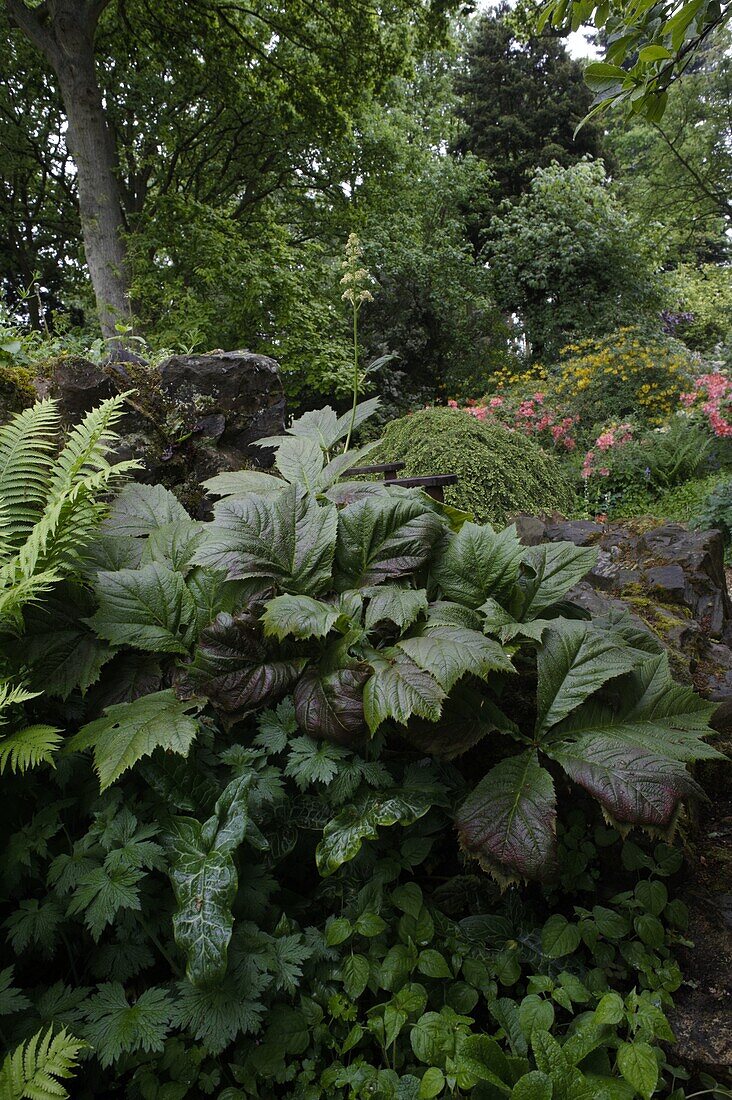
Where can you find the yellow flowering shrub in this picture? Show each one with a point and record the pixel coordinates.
(624, 374)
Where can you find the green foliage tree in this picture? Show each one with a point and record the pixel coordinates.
(570, 260)
(521, 101)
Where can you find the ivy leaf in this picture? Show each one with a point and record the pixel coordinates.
(383, 538)
(554, 569)
(129, 731)
(574, 661)
(390, 603)
(330, 705)
(343, 836)
(508, 821)
(398, 689)
(234, 668)
(288, 538)
(204, 881)
(141, 509)
(479, 562)
(449, 652)
(148, 608)
(638, 1064)
(298, 617)
(116, 1027)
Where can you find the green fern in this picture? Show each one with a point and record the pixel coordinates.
(33, 1070)
(29, 747)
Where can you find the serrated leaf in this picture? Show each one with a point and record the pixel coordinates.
(330, 704)
(572, 663)
(129, 731)
(240, 483)
(140, 509)
(115, 1026)
(204, 879)
(398, 689)
(553, 569)
(508, 821)
(173, 545)
(300, 461)
(148, 608)
(383, 538)
(287, 538)
(343, 836)
(467, 717)
(638, 1064)
(389, 603)
(298, 617)
(450, 652)
(479, 563)
(235, 669)
(355, 975)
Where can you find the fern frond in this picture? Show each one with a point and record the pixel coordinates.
(34, 1070)
(12, 695)
(29, 747)
(86, 448)
(27, 444)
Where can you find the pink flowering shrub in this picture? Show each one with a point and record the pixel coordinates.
(609, 439)
(711, 395)
(529, 415)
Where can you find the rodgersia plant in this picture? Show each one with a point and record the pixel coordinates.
(294, 740)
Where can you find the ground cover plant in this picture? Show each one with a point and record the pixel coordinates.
(345, 799)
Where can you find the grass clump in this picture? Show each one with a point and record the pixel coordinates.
(500, 472)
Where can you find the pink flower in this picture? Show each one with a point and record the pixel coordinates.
(603, 471)
(495, 402)
(452, 404)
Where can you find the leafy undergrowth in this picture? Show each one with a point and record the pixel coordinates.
(339, 807)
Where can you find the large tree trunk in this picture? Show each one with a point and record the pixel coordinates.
(64, 32)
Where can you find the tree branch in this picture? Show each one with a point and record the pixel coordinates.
(30, 22)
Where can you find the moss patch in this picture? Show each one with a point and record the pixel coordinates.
(500, 473)
(16, 390)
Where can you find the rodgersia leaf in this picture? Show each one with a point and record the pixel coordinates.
(389, 603)
(343, 836)
(173, 545)
(330, 704)
(449, 652)
(479, 562)
(383, 538)
(204, 881)
(149, 608)
(508, 821)
(467, 717)
(287, 538)
(300, 461)
(140, 509)
(298, 617)
(555, 568)
(574, 661)
(129, 731)
(398, 689)
(235, 669)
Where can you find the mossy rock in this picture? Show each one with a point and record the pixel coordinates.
(17, 391)
(500, 472)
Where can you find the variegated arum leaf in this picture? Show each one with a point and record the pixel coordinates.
(343, 836)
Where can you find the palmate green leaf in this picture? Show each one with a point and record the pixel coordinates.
(330, 705)
(508, 822)
(298, 617)
(141, 509)
(383, 538)
(11, 999)
(479, 562)
(288, 538)
(29, 747)
(343, 836)
(204, 881)
(116, 1026)
(311, 761)
(148, 608)
(398, 689)
(389, 603)
(234, 668)
(36, 1069)
(129, 731)
(553, 568)
(449, 652)
(300, 461)
(573, 662)
(101, 893)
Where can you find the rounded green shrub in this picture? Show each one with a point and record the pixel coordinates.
(500, 472)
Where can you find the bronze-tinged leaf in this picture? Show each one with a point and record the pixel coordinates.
(509, 821)
(235, 669)
(330, 706)
(634, 785)
(467, 718)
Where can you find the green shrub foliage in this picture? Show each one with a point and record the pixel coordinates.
(294, 740)
(500, 473)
